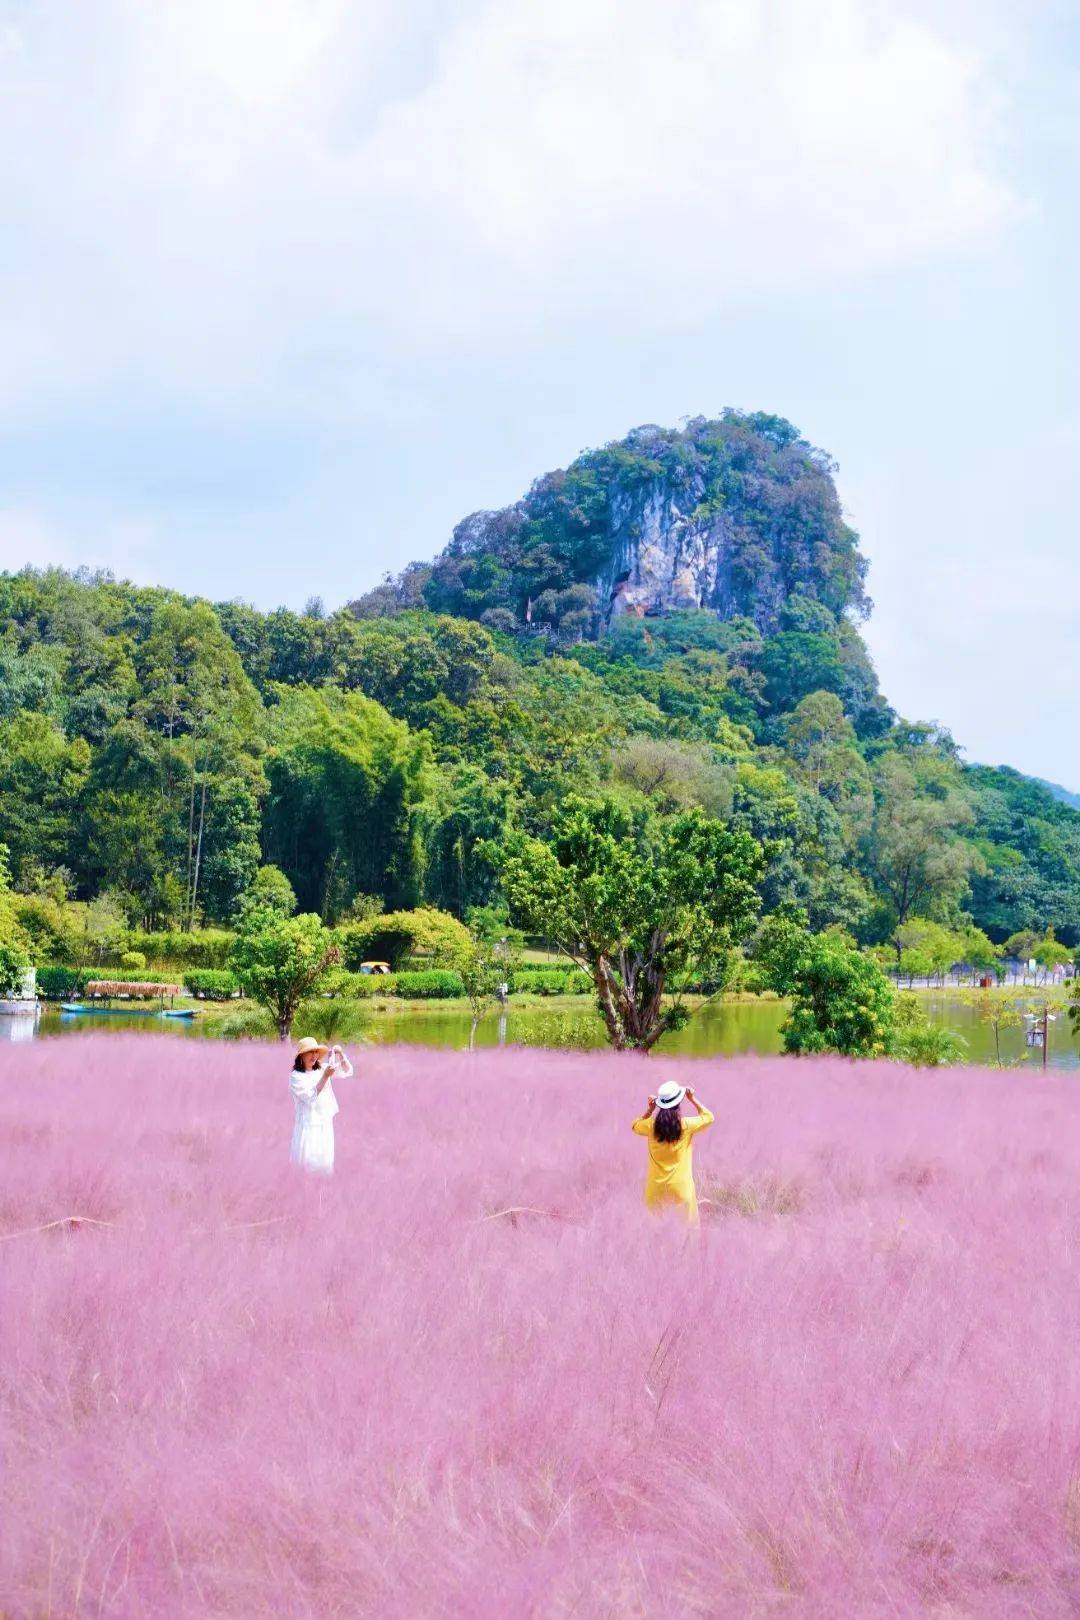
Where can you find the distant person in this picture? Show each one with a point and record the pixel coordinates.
(671, 1147)
(314, 1066)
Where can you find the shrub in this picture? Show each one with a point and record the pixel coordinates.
(341, 985)
(130, 975)
(208, 948)
(243, 1024)
(133, 960)
(211, 984)
(13, 964)
(435, 984)
(919, 1042)
(401, 934)
(555, 981)
(55, 982)
(46, 925)
(332, 1020)
(270, 891)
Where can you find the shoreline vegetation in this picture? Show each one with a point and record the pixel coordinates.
(688, 793)
(990, 1023)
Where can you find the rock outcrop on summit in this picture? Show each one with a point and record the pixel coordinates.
(738, 515)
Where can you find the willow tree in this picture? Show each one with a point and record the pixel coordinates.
(644, 904)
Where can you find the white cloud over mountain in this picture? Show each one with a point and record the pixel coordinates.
(209, 192)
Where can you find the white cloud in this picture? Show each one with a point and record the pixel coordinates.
(204, 194)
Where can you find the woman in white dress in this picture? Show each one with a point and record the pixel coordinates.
(315, 1105)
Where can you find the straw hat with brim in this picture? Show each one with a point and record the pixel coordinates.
(670, 1094)
(310, 1044)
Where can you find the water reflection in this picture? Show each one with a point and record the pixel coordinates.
(18, 1026)
(722, 1029)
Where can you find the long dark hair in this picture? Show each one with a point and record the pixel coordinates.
(298, 1063)
(667, 1126)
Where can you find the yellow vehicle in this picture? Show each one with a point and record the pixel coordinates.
(374, 967)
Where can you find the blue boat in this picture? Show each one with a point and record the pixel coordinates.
(178, 1012)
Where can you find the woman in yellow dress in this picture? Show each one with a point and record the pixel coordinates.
(671, 1147)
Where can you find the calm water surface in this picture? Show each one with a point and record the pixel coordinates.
(718, 1030)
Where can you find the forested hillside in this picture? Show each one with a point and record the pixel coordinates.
(670, 621)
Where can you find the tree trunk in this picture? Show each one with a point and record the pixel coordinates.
(605, 994)
(198, 856)
(190, 839)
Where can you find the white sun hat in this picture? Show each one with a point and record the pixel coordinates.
(670, 1094)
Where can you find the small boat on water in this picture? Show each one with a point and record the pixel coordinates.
(179, 1012)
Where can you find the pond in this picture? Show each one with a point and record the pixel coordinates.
(721, 1029)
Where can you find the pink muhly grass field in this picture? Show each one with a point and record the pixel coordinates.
(471, 1376)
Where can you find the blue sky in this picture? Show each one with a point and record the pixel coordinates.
(289, 286)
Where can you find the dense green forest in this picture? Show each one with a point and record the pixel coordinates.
(158, 749)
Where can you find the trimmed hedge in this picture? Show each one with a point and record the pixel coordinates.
(129, 975)
(211, 984)
(207, 948)
(556, 981)
(435, 985)
(341, 985)
(58, 983)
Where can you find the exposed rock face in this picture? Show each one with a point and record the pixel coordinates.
(663, 557)
(737, 515)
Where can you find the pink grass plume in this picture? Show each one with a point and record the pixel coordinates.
(472, 1376)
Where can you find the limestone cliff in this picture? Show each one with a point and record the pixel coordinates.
(738, 514)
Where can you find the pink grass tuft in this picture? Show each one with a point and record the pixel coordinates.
(471, 1376)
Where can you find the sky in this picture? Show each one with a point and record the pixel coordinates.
(288, 287)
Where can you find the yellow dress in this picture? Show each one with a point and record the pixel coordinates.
(671, 1167)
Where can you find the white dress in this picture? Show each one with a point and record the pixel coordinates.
(313, 1122)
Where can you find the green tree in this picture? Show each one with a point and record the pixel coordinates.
(270, 891)
(675, 775)
(926, 948)
(281, 960)
(14, 962)
(997, 1014)
(47, 925)
(348, 801)
(1021, 947)
(841, 1001)
(914, 848)
(978, 951)
(1051, 954)
(12, 939)
(42, 777)
(196, 698)
(484, 968)
(393, 936)
(639, 904)
(105, 930)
